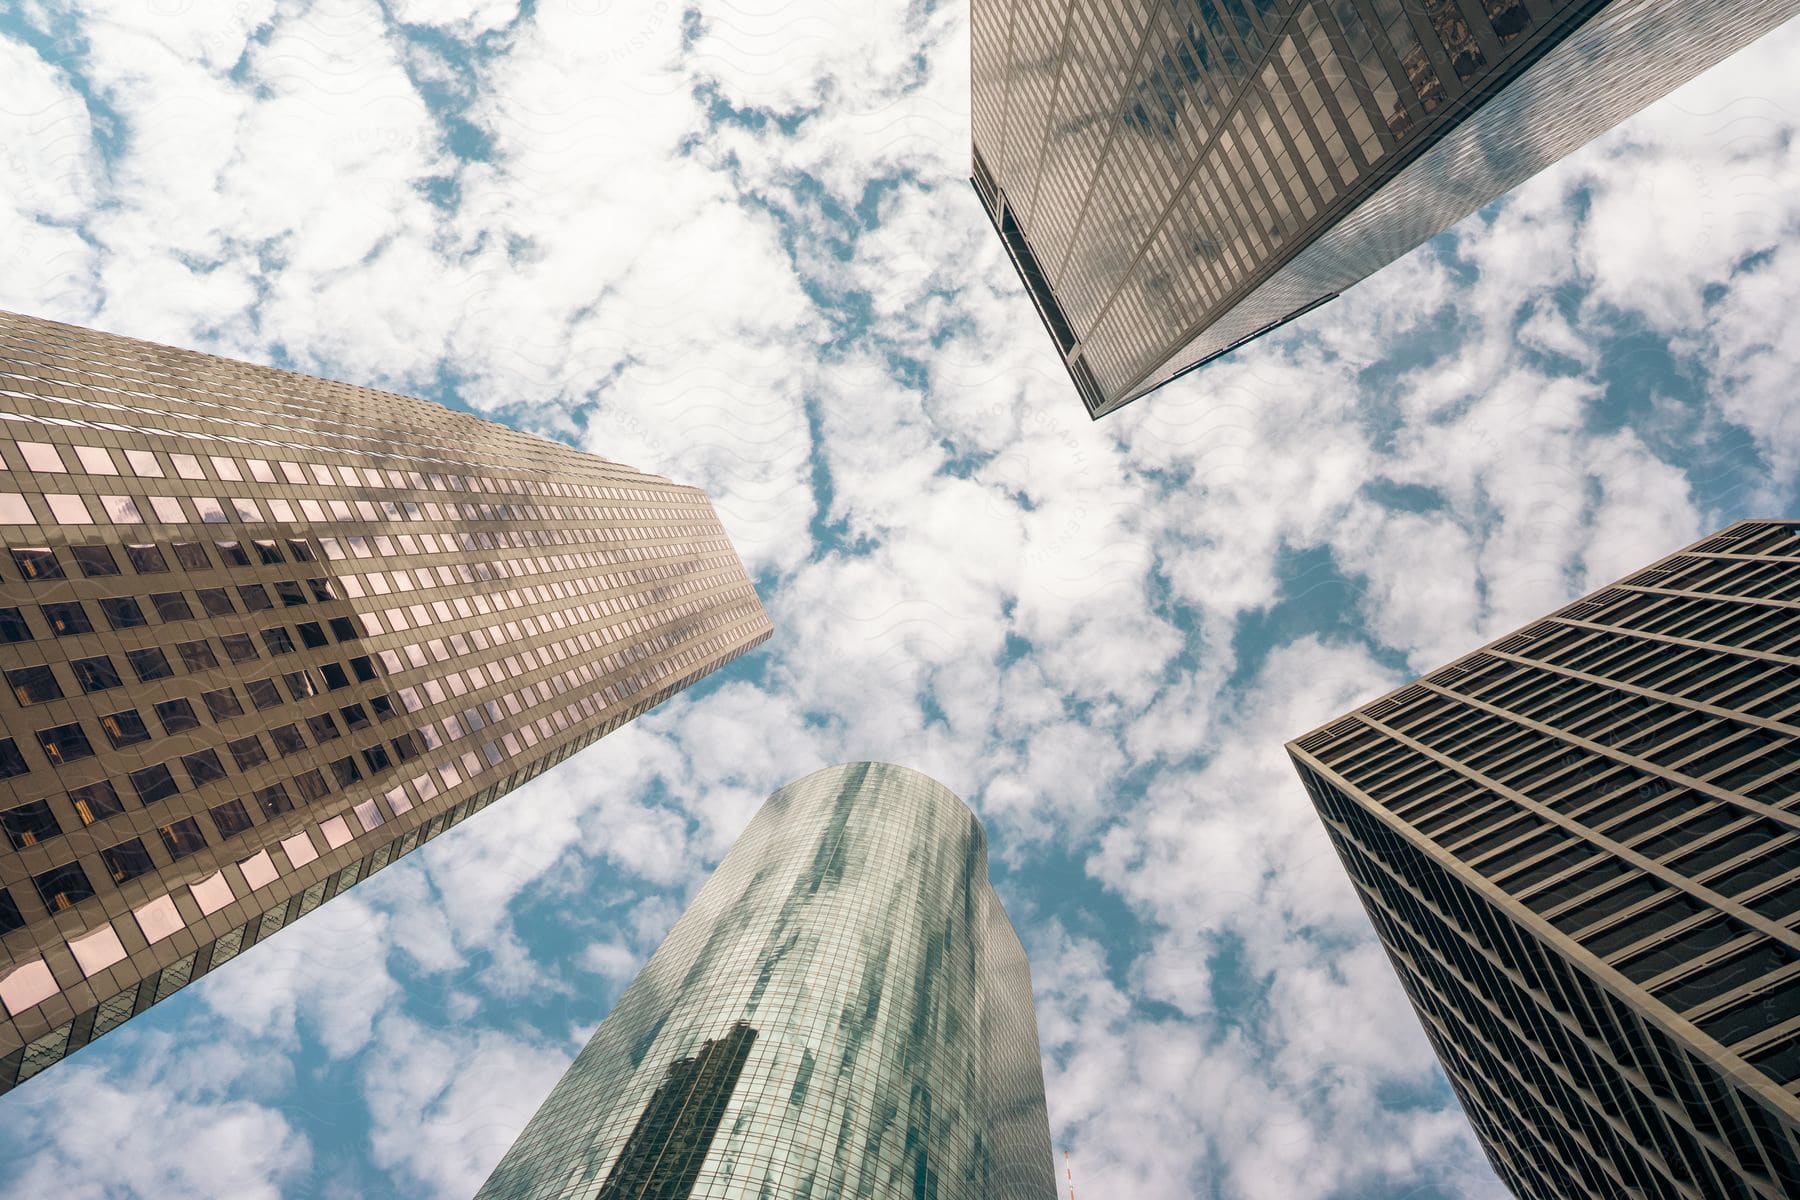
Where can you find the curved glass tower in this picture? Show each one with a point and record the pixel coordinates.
(843, 1011)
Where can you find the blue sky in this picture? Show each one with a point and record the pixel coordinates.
(736, 245)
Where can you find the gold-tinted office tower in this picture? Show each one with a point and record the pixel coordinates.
(843, 1010)
(1174, 177)
(263, 634)
(1581, 848)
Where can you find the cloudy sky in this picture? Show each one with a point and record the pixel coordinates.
(735, 244)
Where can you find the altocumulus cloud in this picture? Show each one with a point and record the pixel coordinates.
(734, 244)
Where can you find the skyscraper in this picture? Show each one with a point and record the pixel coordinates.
(1581, 848)
(264, 634)
(1175, 177)
(843, 1010)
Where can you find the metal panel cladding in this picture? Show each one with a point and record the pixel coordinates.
(843, 1011)
(1175, 177)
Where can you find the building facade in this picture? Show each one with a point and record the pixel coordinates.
(1174, 177)
(263, 634)
(1581, 848)
(843, 1011)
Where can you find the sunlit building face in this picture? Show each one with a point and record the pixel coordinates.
(262, 634)
(1174, 177)
(844, 1010)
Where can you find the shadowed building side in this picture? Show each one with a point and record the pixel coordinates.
(850, 947)
(1580, 846)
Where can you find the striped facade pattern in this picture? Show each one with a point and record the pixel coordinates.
(1581, 848)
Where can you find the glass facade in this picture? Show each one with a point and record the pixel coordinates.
(1581, 848)
(263, 634)
(843, 1011)
(1174, 177)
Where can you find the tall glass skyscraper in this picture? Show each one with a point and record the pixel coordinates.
(844, 1010)
(1174, 177)
(263, 634)
(1581, 848)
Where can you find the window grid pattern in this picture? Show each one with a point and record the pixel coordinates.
(1581, 848)
(851, 956)
(244, 644)
(1167, 160)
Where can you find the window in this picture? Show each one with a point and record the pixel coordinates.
(346, 771)
(13, 627)
(149, 663)
(34, 685)
(334, 675)
(247, 752)
(255, 597)
(268, 551)
(274, 800)
(238, 647)
(64, 744)
(203, 766)
(223, 704)
(232, 554)
(215, 601)
(300, 684)
(192, 556)
(311, 634)
(122, 612)
(231, 818)
(10, 916)
(144, 463)
(11, 761)
(301, 551)
(29, 824)
(196, 656)
(66, 620)
(125, 728)
(145, 558)
(288, 740)
(95, 460)
(37, 562)
(94, 560)
(96, 802)
(263, 693)
(176, 716)
(153, 784)
(354, 716)
(182, 837)
(170, 606)
(312, 786)
(323, 728)
(127, 860)
(376, 758)
(276, 638)
(96, 674)
(63, 887)
(343, 629)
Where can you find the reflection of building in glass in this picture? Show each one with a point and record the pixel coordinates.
(265, 634)
(848, 1012)
(1174, 177)
(662, 1157)
(1581, 848)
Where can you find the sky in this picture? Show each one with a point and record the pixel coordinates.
(735, 244)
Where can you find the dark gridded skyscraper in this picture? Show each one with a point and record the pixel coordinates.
(1581, 848)
(843, 1011)
(1173, 177)
(263, 634)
